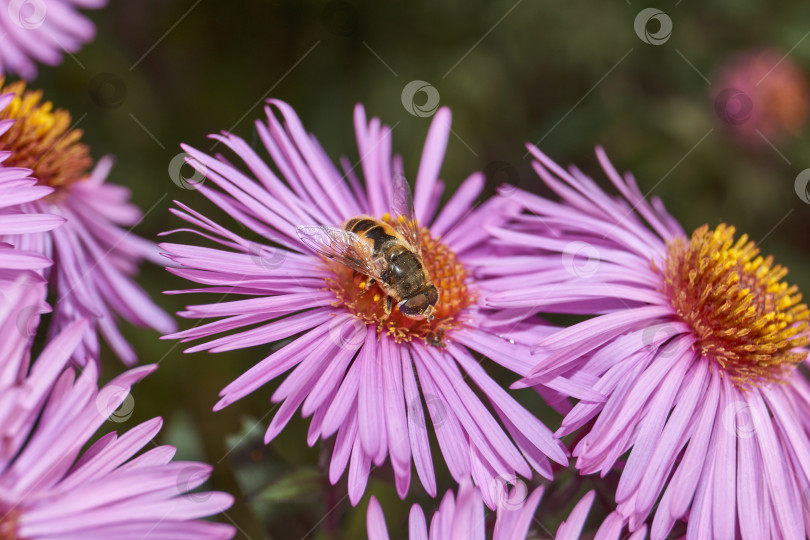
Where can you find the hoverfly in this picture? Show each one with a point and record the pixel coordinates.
(391, 255)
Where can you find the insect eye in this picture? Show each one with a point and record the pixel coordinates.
(432, 295)
(414, 307)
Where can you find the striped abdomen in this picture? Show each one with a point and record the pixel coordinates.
(380, 233)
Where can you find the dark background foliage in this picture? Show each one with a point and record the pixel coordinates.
(568, 75)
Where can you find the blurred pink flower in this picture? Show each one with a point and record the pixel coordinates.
(42, 31)
(49, 488)
(354, 370)
(94, 255)
(695, 341)
(761, 97)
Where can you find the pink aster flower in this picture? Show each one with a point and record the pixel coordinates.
(761, 96)
(695, 341)
(94, 252)
(16, 188)
(49, 488)
(42, 31)
(361, 373)
(465, 517)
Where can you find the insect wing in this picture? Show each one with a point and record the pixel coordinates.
(339, 245)
(405, 215)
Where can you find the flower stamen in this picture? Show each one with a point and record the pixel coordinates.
(41, 139)
(744, 317)
(366, 299)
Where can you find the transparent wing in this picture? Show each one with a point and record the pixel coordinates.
(340, 245)
(403, 213)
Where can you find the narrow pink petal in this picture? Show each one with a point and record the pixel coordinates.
(396, 422)
(358, 472)
(417, 527)
(571, 343)
(459, 205)
(685, 480)
(725, 470)
(431, 162)
(699, 526)
(479, 424)
(674, 437)
(375, 521)
(611, 527)
(514, 523)
(571, 528)
(416, 428)
(269, 368)
(343, 448)
(788, 517)
(114, 455)
(650, 428)
(453, 442)
(749, 489)
(370, 408)
(468, 519)
(345, 401)
(532, 428)
(442, 523)
(335, 369)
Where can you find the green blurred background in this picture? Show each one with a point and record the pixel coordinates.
(571, 75)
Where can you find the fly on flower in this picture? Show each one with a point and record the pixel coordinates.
(386, 250)
(369, 374)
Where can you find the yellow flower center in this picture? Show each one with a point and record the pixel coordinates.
(744, 317)
(41, 139)
(368, 304)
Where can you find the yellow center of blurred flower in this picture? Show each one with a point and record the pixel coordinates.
(745, 318)
(368, 303)
(41, 139)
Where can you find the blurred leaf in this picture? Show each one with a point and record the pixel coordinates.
(300, 485)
